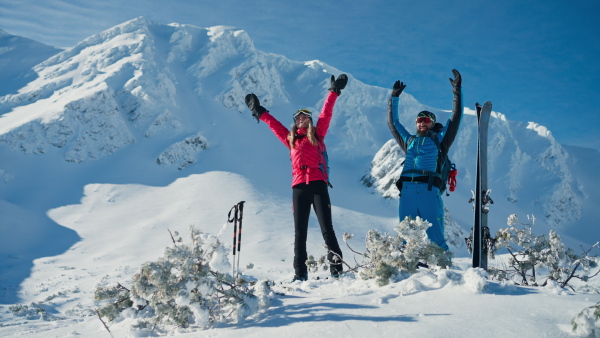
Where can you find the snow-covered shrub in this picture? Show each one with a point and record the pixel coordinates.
(529, 255)
(585, 323)
(386, 255)
(32, 311)
(185, 287)
(119, 300)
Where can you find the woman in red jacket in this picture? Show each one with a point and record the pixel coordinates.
(309, 174)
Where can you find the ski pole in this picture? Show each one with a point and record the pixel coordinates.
(239, 246)
(238, 212)
(234, 221)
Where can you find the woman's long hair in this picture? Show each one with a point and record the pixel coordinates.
(310, 133)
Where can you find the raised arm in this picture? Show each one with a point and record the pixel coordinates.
(400, 133)
(457, 112)
(261, 114)
(327, 111)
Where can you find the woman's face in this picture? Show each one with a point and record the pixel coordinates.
(302, 121)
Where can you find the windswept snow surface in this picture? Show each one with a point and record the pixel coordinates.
(142, 129)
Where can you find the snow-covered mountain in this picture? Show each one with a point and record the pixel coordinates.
(17, 56)
(145, 110)
(141, 79)
(142, 82)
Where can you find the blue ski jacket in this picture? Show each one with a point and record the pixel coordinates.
(422, 152)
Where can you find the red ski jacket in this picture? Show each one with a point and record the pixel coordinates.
(308, 162)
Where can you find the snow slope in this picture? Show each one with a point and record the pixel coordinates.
(123, 226)
(17, 56)
(142, 129)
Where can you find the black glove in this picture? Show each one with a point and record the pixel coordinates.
(339, 84)
(457, 82)
(254, 105)
(398, 88)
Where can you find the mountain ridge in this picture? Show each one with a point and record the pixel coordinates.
(146, 103)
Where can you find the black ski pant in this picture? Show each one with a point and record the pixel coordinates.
(313, 194)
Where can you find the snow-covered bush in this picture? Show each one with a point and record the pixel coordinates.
(185, 288)
(585, 323)
(387, 256)
(33, 311)
(530, 255)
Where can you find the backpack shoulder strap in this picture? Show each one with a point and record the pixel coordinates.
(433, 136)
(409, 142)
(441, 155)
(324, 167)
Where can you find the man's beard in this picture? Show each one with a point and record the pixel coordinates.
(422, 133)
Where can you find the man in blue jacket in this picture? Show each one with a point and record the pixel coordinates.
(420, 193)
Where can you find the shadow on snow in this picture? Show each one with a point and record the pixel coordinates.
(282, 315)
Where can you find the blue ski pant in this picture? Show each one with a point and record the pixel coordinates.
(416, 200)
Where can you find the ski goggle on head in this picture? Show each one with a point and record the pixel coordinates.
(306, 112)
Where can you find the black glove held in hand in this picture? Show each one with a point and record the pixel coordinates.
(456, 82)
(398, 88)
(339, 84)
(254, 105)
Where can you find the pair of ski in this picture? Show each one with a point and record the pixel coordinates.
(481, 242)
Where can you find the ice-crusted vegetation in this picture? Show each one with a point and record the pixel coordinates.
(188, 287)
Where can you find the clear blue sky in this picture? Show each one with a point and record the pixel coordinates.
(536, 60)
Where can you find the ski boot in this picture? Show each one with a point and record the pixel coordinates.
(300, 277)
(336, 270)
